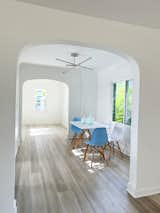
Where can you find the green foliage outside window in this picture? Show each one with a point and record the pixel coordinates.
(129, 97)
(122, 101)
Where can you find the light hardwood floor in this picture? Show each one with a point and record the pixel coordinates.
(50, 179)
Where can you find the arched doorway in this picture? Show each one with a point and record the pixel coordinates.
(83, 103)
(45, 103)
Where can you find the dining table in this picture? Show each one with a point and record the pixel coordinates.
(87, 127)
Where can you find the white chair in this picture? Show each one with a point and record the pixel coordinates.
(116, 136)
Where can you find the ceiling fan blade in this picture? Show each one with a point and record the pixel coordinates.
(84, 61)
(61, 60)
(84, 67)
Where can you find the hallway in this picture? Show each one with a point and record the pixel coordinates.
(50, 179)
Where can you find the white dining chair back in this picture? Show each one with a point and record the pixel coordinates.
(117, 132)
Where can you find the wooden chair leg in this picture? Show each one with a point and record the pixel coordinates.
(110, 151)
(101, 151)
(92, 158)
(113, 147)
(80, 140)
(76, 142)
(119, 148)
(73, 141)
(73, 138)
(108, 158)
(85, 152)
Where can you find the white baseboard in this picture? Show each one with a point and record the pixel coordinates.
(15, 206)
(143, 192)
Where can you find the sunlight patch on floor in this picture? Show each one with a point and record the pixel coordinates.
(40, 131)
(92, 166)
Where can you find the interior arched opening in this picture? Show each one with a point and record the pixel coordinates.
(92, 91)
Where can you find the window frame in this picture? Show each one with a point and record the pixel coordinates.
(43, 100)
(114, 87)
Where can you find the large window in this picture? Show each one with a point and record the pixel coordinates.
(40, 99)
(122, 101)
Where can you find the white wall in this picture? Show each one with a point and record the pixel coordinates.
(106, 78)
(56, 111)
(23, 24)
(82, 95)
(64, 103)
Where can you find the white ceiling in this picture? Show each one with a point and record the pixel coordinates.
(47, 54)
(138, 12)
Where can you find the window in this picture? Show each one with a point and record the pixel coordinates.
(40, 99)
(122, 101)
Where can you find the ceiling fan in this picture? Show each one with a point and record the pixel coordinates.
(74, 63)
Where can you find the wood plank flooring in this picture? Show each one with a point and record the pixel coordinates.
(50, 179)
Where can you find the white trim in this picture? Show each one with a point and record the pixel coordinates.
(142, 192)
(15, 206)
(17, 144)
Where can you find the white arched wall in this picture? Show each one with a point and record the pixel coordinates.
(76, 106)
(56, 112)
(106, 78)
